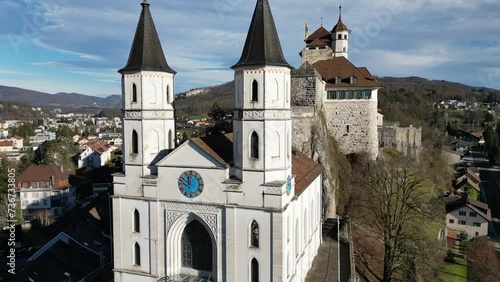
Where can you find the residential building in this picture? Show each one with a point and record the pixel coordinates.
(95, 155)
(42, 137)
(45, 189)
(466, 217)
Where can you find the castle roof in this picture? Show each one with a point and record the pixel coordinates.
(220, 147)
(262, 46)
(340, 26)
(146, 53)
(341, 67)
(321, 33)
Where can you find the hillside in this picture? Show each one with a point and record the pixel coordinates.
(18, 111)
(405, 93)
(64, 101)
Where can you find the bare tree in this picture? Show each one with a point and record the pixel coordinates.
(44, 216)
(394, 206)
(483, 262)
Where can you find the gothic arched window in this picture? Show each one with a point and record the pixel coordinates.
(254, 270)
(137, 222)
(135, 142)
(254, 145)
(134, 93)
(254, 234)
(137, 254)
(255, 91)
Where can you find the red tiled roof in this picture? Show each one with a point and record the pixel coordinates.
(36, 173)
(17, 137)
(5, 143)
(341, 67)
(320, 33)
(220, 147)
(340, 26)
(305, 170)
(318, 42)
(454, 203)
(99, 147)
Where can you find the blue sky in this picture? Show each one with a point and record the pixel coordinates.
(77, 46)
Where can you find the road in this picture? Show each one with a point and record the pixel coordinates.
(490, 189)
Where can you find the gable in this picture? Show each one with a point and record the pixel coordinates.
(191, 155)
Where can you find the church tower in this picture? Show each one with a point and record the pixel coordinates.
(262, 120)
(340, 38)
(148, 94)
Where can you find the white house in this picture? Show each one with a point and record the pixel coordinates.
(466, 216)
(236, 207)
(45, 188)
(95, 155)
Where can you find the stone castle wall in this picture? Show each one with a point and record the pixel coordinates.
(407, 140)
(353, 124)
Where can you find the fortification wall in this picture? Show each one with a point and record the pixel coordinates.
(407, 140)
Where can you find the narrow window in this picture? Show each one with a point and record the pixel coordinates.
(254, 145)
(137, 254)
(254, 270)
(170, 139)
(134, 93)
(347, 128)
(340, 36)
(255, 91)
(344, 49)
(137, 222)
(345, 36)
(305, 227)
(135, 142)
(297, 238)
(254, 234)
(169, 99)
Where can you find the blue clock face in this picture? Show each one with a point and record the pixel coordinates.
(288, 185)
(190, 184)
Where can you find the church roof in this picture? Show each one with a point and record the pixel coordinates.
(262, 46)
(220, 147)
(318, 42)
(305, 170)
(342, 68)
(146, 53)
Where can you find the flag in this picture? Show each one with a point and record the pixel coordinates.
(307, 30)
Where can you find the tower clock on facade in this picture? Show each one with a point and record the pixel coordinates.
(190, 184)
(288, 185)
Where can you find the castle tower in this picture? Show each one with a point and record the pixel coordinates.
(262, 121)
(148, 94)
(340, 38)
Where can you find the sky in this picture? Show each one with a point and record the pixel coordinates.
(78, 46)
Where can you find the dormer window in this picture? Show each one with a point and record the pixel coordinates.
(353, 80)
(337, 80)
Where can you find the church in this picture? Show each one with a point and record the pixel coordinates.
(244, 206)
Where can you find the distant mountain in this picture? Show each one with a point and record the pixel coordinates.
(64, 101)
(199, 101)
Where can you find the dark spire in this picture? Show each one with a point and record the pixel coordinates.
(146, 53)
(340, 25)
(262, 46)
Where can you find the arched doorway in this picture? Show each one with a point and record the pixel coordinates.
(196, 247)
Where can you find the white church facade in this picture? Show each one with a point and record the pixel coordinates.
(243, 206)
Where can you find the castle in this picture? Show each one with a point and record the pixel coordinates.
(328, 84)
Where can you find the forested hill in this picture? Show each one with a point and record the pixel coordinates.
(404, 99)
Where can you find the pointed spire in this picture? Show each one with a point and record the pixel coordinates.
(146, 53)
(262, 46)
(340, 26)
